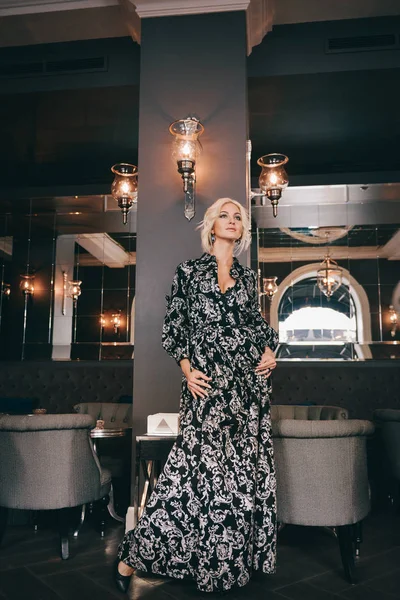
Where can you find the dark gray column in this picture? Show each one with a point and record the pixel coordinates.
(190, 65)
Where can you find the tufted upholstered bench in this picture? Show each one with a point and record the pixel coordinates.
(361, 387)
(308, 413)
(58, 386)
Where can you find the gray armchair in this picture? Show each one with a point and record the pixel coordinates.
(47, 462)
(321, 472)
(308, 413)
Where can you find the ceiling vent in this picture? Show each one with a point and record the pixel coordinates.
(362, 43)
(20, 69)
(63, 66)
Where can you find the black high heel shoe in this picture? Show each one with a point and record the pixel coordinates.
(121, 581)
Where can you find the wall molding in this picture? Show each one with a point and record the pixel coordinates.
(259, 13)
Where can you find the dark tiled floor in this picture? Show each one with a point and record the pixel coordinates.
(309, 567)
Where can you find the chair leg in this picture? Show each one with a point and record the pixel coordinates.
(103, 504)
(358, 537)
(63, 527)
(3, 521)
(81, 521)
(111, 507)
(35, 520)
(345, 536)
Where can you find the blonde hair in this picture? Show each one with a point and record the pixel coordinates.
(212, 213)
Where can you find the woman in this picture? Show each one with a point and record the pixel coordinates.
(212, 515)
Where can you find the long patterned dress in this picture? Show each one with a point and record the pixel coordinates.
(212, 515)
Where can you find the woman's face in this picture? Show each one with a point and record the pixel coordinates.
(228, 225)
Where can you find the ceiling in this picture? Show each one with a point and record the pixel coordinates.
(25, 22)
(305, 115)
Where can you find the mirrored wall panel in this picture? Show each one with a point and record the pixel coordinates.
(329, 272)
(67, 268)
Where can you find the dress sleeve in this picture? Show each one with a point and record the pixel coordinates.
(175, 333)
(264, 332)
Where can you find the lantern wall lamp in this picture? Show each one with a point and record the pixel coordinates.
(26, 285)
(393, 318)
(186, 148)
(269, 287)
(124, 187)
(273, 179)
(6, 290)
(71, 289)
(116, 321)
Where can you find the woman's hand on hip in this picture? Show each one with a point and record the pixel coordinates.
(267, 363)
(197, 383)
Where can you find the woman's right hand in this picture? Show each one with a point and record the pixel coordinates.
(196, 380)
(197, 383)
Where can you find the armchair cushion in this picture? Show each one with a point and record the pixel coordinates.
(292, 428)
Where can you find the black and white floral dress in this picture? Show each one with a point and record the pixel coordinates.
(212, 515)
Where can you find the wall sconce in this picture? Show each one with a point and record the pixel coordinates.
(6, 290)
(74, 290)
(393, 317)
(273, 178)
(103, 321)
(124, 187)
(270, 287)
(26, 285)
(329, 276)
(116, 321)
(186, 148)
(71, 289)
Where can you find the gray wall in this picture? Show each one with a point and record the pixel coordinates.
(181, 75)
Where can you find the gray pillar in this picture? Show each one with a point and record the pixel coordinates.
(190, 65)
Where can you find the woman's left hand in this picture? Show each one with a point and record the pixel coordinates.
(267, 363)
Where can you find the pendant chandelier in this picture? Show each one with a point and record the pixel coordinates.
(329, 276)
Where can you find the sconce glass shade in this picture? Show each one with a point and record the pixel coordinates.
(273, 178)
(270, 287)
(186, 148)
(27, 284)
(74, 289)
(186, 145)
(124, 187)
(329, 277)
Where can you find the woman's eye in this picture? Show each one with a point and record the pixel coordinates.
(238, 218)
(223, 216)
